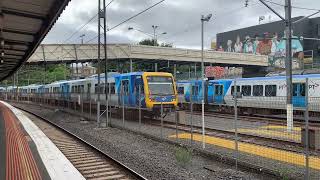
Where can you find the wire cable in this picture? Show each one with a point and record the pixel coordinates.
(141, 12)
(81, 27)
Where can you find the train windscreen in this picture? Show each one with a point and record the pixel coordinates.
(160, 85)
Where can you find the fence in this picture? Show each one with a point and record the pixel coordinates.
(249, 128)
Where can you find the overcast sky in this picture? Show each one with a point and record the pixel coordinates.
(179, 18)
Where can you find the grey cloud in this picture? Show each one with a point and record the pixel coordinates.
(179, 18)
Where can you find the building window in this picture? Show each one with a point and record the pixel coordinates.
(246, 90)
(257, 90)
(270, 90)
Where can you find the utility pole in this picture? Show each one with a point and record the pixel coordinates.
(98, 86)
(288, 63)
(106, 85)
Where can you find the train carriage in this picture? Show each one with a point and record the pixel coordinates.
(156, 88)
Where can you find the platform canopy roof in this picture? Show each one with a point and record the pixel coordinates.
(23, 25)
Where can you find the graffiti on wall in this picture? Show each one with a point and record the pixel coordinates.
(270, 45)
(219, 72)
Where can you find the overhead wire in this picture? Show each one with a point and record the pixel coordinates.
(216, 16)
(128, 19)
(295, 7)
(85, 24)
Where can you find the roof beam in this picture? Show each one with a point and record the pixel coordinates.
(23, 14)
(18, 32)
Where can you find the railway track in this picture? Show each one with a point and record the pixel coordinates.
(257, 118)
(90, 161)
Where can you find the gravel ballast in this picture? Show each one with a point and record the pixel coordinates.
(149, 157)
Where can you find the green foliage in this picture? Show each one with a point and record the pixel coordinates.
(149, 42)
(183, 155)
(166, 45)
(38, 75)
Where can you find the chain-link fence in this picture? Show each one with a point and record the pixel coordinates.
(249, 126)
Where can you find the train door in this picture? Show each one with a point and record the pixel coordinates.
(218, 94)
(124, 92)
(139, 83)
(195, 95)
(88, 91)
(299, 91)
(65, 90)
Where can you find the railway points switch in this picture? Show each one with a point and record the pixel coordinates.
(181, 117)
(314, 137)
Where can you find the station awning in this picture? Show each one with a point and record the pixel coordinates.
(24, 24)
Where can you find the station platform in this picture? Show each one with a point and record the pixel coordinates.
(26, 152)
(293, 158)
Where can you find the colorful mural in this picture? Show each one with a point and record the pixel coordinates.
(219, 72)
(268, 44)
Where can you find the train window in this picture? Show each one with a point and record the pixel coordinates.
(270, 90)
(257, 90)
(218, 90)
(100, 90)
(232, 89)
(181, 90)
(112, 88)
(195, 90)
(246, 90)
(299, 89)
(125, 86)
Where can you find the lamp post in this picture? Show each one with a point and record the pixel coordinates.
(203, 19)
(82, 36)
(154, 34)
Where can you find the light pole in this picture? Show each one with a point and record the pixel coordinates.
(203, 19)
(82, 36)
(154, 34)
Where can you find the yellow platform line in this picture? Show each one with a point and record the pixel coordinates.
(266, 152)
(270, 133)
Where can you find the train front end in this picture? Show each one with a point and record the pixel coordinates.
(160, 89)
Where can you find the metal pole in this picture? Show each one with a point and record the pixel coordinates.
(139, 99)
(202, 79)
(161, 120)
(289, 66)
(98, 86)
(235, 94)
(122, 105)
(76, 56)
(106, 84)
(306, 116)
(175, 71)
(131, 67)
(155, 67)
(191, 119)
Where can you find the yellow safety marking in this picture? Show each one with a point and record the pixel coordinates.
(266, 152)
(269, 133)
(278, 127)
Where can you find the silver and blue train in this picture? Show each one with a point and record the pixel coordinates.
(259, 92)
(148, 90)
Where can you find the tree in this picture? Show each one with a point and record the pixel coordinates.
(152, 42)
(149, 42)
